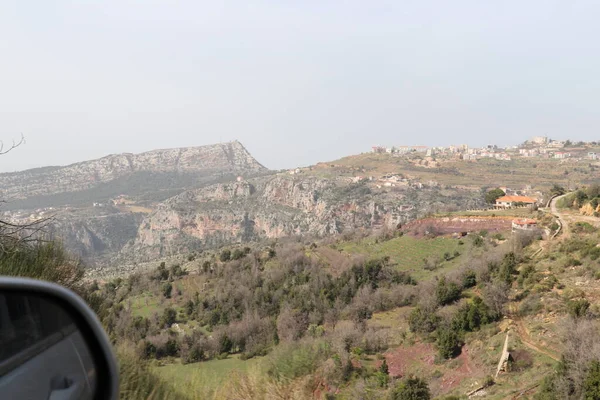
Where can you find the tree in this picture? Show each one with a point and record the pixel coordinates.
(421, 321)
(493, 195)
(591, 385)
(237, 254)
(446, 293)
(169, 317)
(167, 288)
(162, 274)
(448, 342)
(177, 272)
(206, 266)
(495, 296)
(383, 368)
(508, 267)
(225, 255)
(469, 279)
(411, 389)
(291, 324)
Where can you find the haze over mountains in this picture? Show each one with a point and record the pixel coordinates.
(125, 209)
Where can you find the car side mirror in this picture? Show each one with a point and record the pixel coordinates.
(52, 345)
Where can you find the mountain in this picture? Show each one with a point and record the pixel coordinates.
(98, 205)
(131, 174)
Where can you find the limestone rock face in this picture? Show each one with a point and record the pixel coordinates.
(221, 158)
(273, 207)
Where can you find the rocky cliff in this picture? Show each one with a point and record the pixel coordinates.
(207, 160)
(276, 206)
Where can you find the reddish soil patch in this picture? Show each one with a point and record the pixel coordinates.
(449, 225)
(403, 360)
(454, 377)
(420, 358)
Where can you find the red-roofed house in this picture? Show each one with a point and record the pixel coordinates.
(515, 201)
(525, 224)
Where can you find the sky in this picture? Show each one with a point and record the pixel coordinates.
(296, 82)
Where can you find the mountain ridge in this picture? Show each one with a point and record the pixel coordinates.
(216, 159)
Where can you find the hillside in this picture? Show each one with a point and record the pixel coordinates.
(131, 174)
(318, 318)
(517, 173)
(278, 206)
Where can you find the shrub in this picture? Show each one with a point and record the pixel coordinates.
(578, 308)
(421, 321)
(161, 273)
(488, 381)
(167, 288)
(383, 368)
(472, 316)
(591, 385)
(478, 241)
(168, 318)
(469, 279)
(225, 255)
(47, 261)
(238, 254)
(448, 343)
(522, 360)
(447, 293)
(177, 272)
(294, 360)
(137, 381)
(411, 389)
(530, 306)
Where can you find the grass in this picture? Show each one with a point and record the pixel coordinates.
(200, 380)
(406, 252)
(395, 320)
(145, 305)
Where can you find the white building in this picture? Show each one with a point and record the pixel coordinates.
(539, 140)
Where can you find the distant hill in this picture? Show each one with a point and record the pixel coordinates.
(152, 172)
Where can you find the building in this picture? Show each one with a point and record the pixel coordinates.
(515, 201)
(524, 224)
(556, 144)
(539, 140)
(592, 156)
(561, 155)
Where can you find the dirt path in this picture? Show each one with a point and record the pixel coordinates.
(563, 222)
(523, 334)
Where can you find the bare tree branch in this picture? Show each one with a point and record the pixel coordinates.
(14, 145)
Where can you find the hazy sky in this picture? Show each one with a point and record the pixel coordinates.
(295, 81)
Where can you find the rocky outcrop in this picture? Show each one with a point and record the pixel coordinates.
(277, 206)
(96, 236)
(215, 159)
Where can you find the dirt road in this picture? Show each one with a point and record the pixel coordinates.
(561, 218)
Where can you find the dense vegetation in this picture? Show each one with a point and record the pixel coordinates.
(304, 309)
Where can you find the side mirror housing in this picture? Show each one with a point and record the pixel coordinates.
(52, 345)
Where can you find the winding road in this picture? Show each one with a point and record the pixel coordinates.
(561, 218)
